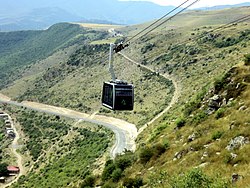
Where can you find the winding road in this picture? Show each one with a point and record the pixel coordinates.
(125, 132)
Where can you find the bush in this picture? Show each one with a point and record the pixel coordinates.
(133, 182)
(166, 143)
(146, 154)
(180, 122)
(247, 59)
(108, 170)
(217, 135)
(109, 184)
(220, 113)
(199, 117)
(116, 175)
(159, 149)
(89, 181)
(124, 161)
(196, 179)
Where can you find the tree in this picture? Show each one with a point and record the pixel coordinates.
(89, 181)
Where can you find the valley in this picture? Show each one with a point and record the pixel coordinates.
(191, 80)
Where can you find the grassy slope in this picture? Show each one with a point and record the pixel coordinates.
(211, 62)
(213, 135)
(76, 83)
(20, 49)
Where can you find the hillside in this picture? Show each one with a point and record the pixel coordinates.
(197, 130)
(188, 145)
(20, 49)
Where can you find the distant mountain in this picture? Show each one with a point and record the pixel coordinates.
(28, 14)
(39, 18)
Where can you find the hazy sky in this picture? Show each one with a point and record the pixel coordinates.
(202, 3)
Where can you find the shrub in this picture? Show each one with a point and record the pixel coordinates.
(199, 117)
(180, 122)
(220, 113)
(124, 161)
(89, 181)
(196, 179)
(247, 59)
(116, 175)
(217, 135)
(108, 170)
(146, 154)
(133, 182)
(109, 184)
(165, 143)
(159, 149)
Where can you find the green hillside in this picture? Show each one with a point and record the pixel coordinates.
(20, 49)
(187, 146)
(59, 149)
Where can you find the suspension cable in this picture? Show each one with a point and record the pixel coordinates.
(157, 21)
(119, 47)
(171, 17)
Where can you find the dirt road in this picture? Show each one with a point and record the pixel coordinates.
(14, 147)
(125, 132)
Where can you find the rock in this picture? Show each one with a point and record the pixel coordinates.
(191, 149)
(238, 85)
(192, 137)
(214, 104)
(215, 98)
(205, 155)
(224, 102)
(207, 145)
(241, 103)
(203, 165)
(231, 126)
(237, 142)
(233, 155)
(151, 168)
(179, 155)
(236, 177)
(242, 108)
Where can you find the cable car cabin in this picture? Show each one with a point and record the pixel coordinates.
(118, 95)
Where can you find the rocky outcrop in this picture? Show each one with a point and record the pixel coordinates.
(237, 143)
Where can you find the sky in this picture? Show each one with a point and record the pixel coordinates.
(202, 3)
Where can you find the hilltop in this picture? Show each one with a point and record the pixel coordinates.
(211, 111)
